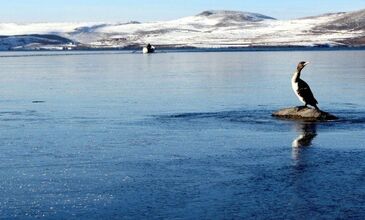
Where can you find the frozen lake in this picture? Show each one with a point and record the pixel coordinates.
(91, 135)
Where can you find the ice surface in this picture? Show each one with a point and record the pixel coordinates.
(179, 136)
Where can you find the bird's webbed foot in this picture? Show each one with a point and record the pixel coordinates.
(302, 107)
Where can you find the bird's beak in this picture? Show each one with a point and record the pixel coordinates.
(306, 63)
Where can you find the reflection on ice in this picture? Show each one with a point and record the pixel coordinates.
(307, 132)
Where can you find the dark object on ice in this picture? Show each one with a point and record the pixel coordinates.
(304, 113)
(148, 49)
(38, 101)
(302, 89)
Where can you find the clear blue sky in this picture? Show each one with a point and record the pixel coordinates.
(152, 10)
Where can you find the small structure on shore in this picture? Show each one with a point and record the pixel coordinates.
(148, 49)
(305, 95)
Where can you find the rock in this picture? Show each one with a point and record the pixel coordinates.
(304, 113)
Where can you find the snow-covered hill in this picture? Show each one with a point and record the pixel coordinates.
(347, 21)
(209, 29)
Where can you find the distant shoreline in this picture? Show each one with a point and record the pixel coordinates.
(194, 49)
(263, 48)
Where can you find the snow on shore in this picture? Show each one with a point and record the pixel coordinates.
(207, 29)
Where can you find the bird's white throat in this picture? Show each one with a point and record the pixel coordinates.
(295, 86)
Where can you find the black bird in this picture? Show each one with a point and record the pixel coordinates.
(302, 89)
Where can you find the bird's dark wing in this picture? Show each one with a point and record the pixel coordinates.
(305, 92)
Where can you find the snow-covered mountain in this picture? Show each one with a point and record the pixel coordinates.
(209, 29)
(347, 21)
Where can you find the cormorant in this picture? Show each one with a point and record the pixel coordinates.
(302, 89)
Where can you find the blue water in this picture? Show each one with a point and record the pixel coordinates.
(109, 135)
